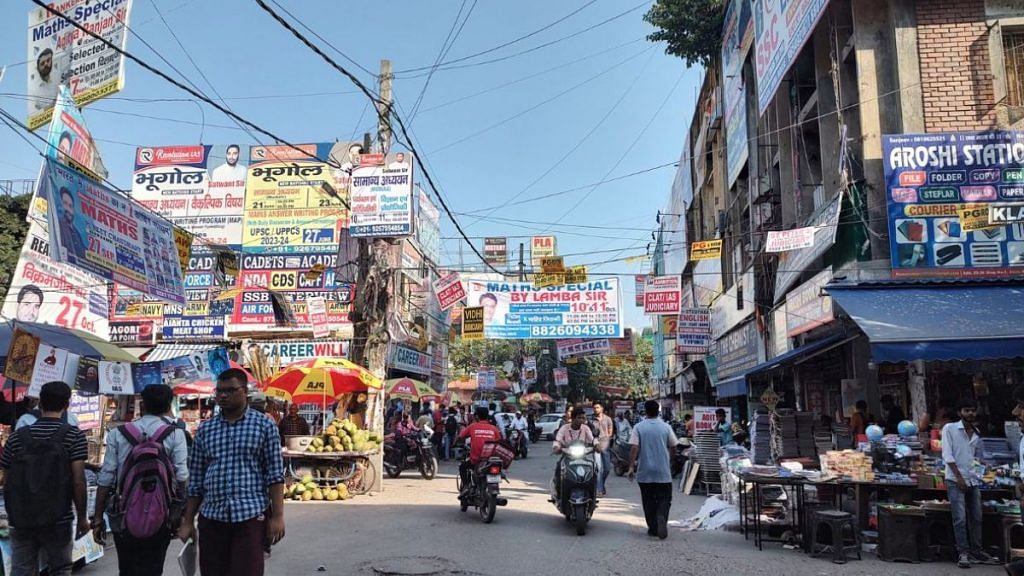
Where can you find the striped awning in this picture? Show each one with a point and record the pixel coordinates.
(168, 351)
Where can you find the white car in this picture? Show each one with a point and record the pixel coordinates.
(549, 425)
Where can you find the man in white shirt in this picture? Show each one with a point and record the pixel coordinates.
(399, 163)
(519, 422)
(960, 444)
(45, 83)
(230, 170)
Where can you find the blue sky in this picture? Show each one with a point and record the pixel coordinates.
(601, 104)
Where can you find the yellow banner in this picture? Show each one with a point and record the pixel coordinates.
(473, 323)
(183, 242)
(975, 217)
(706, 250)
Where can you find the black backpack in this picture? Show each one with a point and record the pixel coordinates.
(38, 487)
(451, 425)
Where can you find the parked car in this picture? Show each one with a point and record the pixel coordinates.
(549, 425)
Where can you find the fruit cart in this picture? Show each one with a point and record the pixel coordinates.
(332, 466)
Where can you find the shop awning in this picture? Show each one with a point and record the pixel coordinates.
(735, 386)
(914, 321)
(800, 353)
(168, 351)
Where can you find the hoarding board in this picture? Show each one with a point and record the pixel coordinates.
(780, 28)
(381, 196)
(663, 294)
(542, 247)
(520, 310)
(496, 251)
(738, 32)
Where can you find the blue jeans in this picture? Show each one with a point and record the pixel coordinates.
(54, 543)
(965, 506)
(606, 467)
(447, 442)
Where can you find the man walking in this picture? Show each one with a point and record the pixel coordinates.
(959, 448)
(140, 556)
(650, 464)
(236, 486)
(603, 442)
(40, 512)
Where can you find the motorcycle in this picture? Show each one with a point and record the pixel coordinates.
(483, 492)
(576, 488)
(419, 453)
(620, 457)
(518, 441)
(534, 434)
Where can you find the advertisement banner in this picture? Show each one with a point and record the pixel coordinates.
(737, 35)
(200, 188)
(669, 327)
(793, 263)
(285, 353)
(576, 347)
(428, 228)
(704, 418)
(293, 199)
(738, 351)
(693, 335)
(317, 310)
(931, 178)
(486, 380)
(131, 305)
(449, 290)
(409, 360)
(49, 366)
(519, 310)
(529, 370)
(706, 250)
(639, 282)
(102, 232)
(59, 53)
(381, 196)
(786, 240)
(70, 142)
(116, 378)
(473, 323)
(45, 291)
(663, 294)
(495, 251)
(781, 29)
(807, 305)
(133, 333)
(86, 410)
(1005, 213)
(561, 377)
(542, 247)
(780, 342)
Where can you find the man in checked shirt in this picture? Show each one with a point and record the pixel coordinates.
(236, 480)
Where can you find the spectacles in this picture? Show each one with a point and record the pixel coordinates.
(227, 391)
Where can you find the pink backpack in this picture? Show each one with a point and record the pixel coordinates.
(147, 488)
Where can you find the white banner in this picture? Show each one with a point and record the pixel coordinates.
(663, 294)
(381, 196)
(693, 332)
(50, 364)
(704, 417)
(786, 240)
(116, 378)
(317, 309)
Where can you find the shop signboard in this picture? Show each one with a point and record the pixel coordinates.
(786, 240)
(381, 196)
(704, 417)
(520, 310)
(473, 323)
(781, 29)
(706, 250)
(200, 188)
(286, 352)
(1005, 213)
(561, 377)
(293, 198)
(780, 341)
(59, 52)
(932, 179)
(197, 318)
(640, 281)
(132, 333)
(449, 290)
(738, 351)
(575, 347)
(807, 305)
(409, 360)
(542, 247)
(663, 294)
(496, 251)
(694, 331)
(793, 263)
(737, 35)
(102, 232)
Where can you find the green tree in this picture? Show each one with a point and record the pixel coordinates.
(465, 356)
(13, 228)
(691, 28)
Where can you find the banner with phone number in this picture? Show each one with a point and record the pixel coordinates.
(518, 310)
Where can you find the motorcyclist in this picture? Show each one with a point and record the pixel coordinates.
(405, 431)
(575, 431)
(531, 422)
(519, 423)
(478, 433)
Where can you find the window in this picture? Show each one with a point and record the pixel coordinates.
(1013, 58)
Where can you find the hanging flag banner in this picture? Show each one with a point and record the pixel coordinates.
(561, 377)
(693, 332)
(293, 198)
(495, 251)
(116, 378)
(705, 249)
(428, 227)
(45, 291)
(520, 310)
(146, 374)
(87, 379)
(107, 234)
(473, 323)
(200, 188)
(529, 370)
(541, 247)
(663, 294)
(317, 311)
(640, 281)
(381, 196)
(449, 290)
(786, 240)
(70, 142)
(60, 53)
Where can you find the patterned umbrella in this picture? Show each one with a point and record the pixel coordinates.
(319, 380)
(409, 389)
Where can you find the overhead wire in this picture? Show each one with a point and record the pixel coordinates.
(449, 41)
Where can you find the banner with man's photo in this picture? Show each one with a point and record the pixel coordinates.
(70, 142)
(381, 196)
(101, 231)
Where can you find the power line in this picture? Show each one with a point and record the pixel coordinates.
(449, 41)
(369, 72)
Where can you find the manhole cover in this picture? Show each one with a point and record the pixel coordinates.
(410, 566)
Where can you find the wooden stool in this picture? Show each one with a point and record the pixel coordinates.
(838, 523)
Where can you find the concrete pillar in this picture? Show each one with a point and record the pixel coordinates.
(908, 64)
(787, 187)
(918, 399)
(828, 121)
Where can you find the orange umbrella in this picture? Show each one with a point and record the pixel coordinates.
(320, 380)
(535, 397)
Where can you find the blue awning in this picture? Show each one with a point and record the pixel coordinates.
(735, 386)
(907, 322)
(797, 354)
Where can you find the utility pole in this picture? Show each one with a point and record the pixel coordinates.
(373, 288)
(522, 344)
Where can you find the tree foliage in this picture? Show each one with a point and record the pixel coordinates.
(13, 228)
(691, 28)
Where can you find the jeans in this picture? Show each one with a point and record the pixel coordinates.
(965, 507)
(657, 499)
(448, 442)
(54, 542)
(141, 557)
(231, 548)
(605, 464)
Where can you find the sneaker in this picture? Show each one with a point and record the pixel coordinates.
(964, 561)
(662, 527)
(982, 557)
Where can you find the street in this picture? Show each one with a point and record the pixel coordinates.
(415, 528)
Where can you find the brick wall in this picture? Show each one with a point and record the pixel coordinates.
(956, 73)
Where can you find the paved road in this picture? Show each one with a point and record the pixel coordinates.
(415, 527)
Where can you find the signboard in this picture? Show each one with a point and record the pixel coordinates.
(198, 317)
(551, 264)
(706, 250)
(520, 310)
(428, 227)
(786, 240)
(561, 376)
(496, 251)
(780, 341)
(381, 197)
(116, 378)
(449, 290)
(639, 282)
(738, 351)
(931, 179)
(200, 188)
(49, 366)
(577, 347)
(86, 410)
(317, 311)
(781, 29)
(572, 275)
(473, 323)
(409, 360)
(133, 333)
(737, 35)
(293, 199)
(529, 370)
(704, 418)
(542, 247)
(807, 305)
(793, 263)
(669, 327)
(45, 291)
(284, 353)
(693, 334)
(486, 380)
(1005, 213)
(100, 231)
(60, 53)
(70, 142)
(663, 294)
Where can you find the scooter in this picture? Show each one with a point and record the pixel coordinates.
(576, 485)
(483, 492)
(518, 441)
(620, 457)
(421, 455)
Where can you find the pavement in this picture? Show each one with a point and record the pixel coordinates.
(414, 527)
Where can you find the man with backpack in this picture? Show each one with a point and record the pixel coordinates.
(40, 513)
(142, 485)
